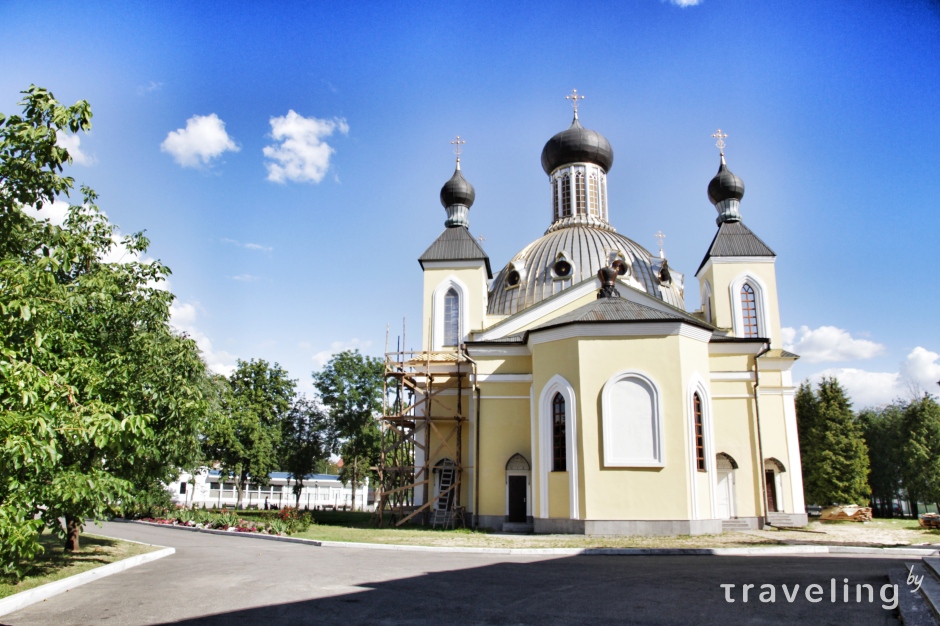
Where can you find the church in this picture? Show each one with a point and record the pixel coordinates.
(573, 392)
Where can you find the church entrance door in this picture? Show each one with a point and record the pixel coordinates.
(771, 483)
(725, 495)
(517, 496)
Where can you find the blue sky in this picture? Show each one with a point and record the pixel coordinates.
(294, 235)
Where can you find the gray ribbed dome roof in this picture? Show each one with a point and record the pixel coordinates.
(587, 250)
(725, 185)
(577, 145)
(457, 191)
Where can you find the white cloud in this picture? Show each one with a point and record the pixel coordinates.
(828, 343)
(320, 358)
(203, 140)
(72, 143)
(245, 278)
(248, 245)
(149, 87)
(918, 372)
(56, 212)
(301, 155)
(183, 317)
(685, 3)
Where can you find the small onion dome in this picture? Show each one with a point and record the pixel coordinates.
(577, 145)
(725, 185)
(457, 190)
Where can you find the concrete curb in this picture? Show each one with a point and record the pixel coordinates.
(214, 531)
(31, 596)
(767, 551)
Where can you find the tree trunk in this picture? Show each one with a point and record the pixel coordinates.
(355, 481)
(73, 528)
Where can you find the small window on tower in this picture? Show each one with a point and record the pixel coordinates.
(749, 311)
(566, 196)
(451, 318)
(592, 196)
(555, 211)
(512, 278)
(562, 268)
(579, 192)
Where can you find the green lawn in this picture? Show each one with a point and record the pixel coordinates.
(55, 564)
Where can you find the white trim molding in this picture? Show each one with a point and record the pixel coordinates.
(698, 385)
(645, 329)
(504, 378)
(611, 457)
(558, 384)
(437, 310)
(731, 376)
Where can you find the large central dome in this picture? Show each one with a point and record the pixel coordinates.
(533, 274)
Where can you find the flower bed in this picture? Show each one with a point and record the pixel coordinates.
(283, 522)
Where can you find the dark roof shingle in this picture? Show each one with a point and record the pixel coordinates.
(735, 239)
(456, 244)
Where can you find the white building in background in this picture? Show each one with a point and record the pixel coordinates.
(320, 491)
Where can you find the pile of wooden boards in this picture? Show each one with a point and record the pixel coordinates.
(929, 520)
(847, 513)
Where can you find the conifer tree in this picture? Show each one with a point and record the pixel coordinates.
(835, 457)
(884, 436)
(920, 467)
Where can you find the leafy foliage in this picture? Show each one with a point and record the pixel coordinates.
(834, 455)
(254, 404)
(350, 387)
(97, 393)
(304, 442)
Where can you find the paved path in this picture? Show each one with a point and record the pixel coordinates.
(216, 580)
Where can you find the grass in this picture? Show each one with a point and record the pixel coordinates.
(55, 564)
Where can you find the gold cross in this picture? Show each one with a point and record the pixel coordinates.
(481, 238)
(720, 136)
(660, 237)
(457, 143)
(574, 97)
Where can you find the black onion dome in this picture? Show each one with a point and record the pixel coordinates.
(725, 185)
(577, 145)
(457, 191)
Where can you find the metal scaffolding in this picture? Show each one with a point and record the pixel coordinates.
(415, 418)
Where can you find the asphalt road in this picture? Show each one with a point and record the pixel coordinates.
(216, 580)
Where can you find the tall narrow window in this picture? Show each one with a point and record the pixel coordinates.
(451, 318)
(749, 311)
(579, 192)
(699, 432)
(559, 445)
(566, 196)
(593, 207)
(555, 202)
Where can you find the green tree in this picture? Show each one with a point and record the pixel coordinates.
(350, 387)
(834, 455)
(254, 403)
(97, 393)
(884, 437)
(920, 469)
(304, 442)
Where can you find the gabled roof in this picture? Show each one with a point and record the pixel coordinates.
(735, 239)
(620, 310)
(456, 244)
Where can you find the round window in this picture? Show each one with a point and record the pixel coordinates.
(562, 268)
(512, 279)
(620, 266)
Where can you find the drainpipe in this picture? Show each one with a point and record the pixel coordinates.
(760, 445)
(476, 447)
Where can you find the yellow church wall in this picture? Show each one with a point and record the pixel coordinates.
(558, 495)
(504, 431)
(730, 362)
(721, 275)
(548, 360)
(774, 439)
(550, 315)
(473, 278)
(735, 435)
(610, 493)
(504, 365)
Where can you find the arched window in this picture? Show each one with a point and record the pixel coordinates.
(566, 196)
(451, 318)
(579, 193)
(555, 212)
(632, 422)
(592, 196)
(749, 311)
(603, 211)
(559, 446)
(699, 432)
